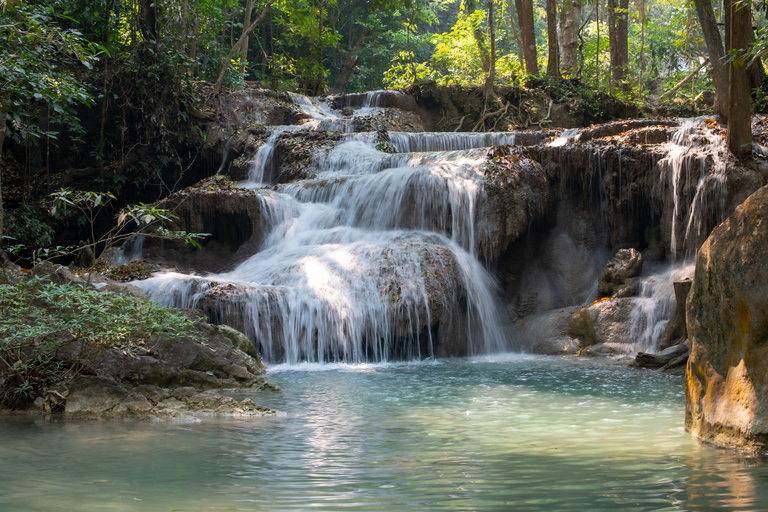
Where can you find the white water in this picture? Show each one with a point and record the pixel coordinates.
(695, 175)
(654, 306)
(371, 261)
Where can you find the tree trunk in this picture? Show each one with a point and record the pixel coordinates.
(618, 38)
(350, 64)
(243, 62)
(235, 47)
(528, 35)
(515, 33)
(738, 31)
(492, 60)
(482, 49)
(148, 21)
(553, 54)
(2, 141)
(568, 38)
(715, 50)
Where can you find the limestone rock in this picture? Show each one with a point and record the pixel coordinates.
(56, 274)
(727, 378)
(92, 397)
(125, 289)
(548, 333)
(604, 325)
(617, 278)
(238, 340)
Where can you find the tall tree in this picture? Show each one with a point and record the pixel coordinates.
(243, 63)
(528, 35)
(568, 38)
(716, 54)
(738, 34)
(492, 58)
(553, 55)
(618, 35)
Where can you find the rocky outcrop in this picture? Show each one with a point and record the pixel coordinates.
(726, 383)
(234, 219)
(94, 397)
(621, 275)
(173, 378)
(515, 195)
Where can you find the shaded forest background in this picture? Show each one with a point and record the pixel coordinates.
(105, 89)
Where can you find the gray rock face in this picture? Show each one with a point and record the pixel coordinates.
(232, 217)
(727, 378)
(615, 279)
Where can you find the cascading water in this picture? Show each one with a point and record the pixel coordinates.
(697, 195)
(654, 306)
(370, 261)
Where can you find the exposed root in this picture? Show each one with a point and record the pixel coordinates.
(461, 122)
(488, 115)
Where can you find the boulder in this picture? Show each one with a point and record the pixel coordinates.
(603, 325)
(238, 340)
(726, 384)
(55, 274)
(620, 275)
(548, 333)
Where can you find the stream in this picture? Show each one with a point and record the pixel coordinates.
(504, 432)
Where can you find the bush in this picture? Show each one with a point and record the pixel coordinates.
(50, 333)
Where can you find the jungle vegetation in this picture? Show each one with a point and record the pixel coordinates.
(111, 83)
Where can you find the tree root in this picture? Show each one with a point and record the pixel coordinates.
(461, 122)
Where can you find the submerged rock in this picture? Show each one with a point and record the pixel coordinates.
(727, 378)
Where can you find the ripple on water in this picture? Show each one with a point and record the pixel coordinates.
(503, 433)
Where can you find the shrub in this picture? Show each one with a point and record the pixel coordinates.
(50, 333)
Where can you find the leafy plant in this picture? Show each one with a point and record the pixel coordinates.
(140, 216)
(51, 333)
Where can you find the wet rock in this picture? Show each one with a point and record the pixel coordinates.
(92, 397)
(727, 377)
(619, 277)
(233, 218)
(676, 355)
(237, 340)
(548, 333)
(604, 325)
(516, 194)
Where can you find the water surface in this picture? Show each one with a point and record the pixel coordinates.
(508, 433)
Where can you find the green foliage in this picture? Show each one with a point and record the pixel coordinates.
(34, 58)
(50, 333)
(27, 223)
(90, 204)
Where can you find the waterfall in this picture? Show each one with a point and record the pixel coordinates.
(371, 260)
(697, 195)
(654, 306)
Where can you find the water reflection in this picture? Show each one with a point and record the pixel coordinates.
(521, 434)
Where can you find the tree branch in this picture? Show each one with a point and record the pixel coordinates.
(238, 46)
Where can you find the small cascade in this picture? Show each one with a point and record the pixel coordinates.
(321, 116)
(653, 308)
(695, 175)
(420, 142)
(262, 161)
